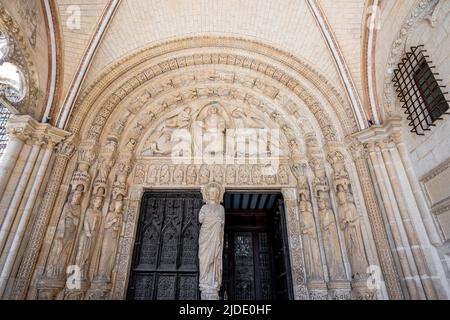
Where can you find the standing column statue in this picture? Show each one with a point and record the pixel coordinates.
(313, 260)
(349, 224)
(91, 228)
(330, 239)
(65, 237)
(111, 233)
(212, 219)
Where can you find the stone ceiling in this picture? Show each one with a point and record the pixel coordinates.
(289, 25)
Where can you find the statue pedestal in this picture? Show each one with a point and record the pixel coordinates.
(209, 293)
(99, 290)
(360, 291)
(318, 290)
(339, 290)
(50, 288)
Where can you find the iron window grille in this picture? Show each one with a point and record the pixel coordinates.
(420, 91)
(5, 114)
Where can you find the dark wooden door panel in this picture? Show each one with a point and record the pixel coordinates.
(165, 259)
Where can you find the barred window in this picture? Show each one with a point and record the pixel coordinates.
(419, 90)
(5, 114)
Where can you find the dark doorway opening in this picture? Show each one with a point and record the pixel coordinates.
(256, 256)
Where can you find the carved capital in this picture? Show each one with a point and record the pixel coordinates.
(30, 131)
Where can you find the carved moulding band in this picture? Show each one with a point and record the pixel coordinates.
(109, 79)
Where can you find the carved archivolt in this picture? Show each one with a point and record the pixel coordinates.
(120, 86)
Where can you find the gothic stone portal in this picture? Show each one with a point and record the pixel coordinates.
(165, 264)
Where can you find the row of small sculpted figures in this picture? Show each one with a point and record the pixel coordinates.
(244, 174)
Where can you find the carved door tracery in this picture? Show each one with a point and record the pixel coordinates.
(165, 264)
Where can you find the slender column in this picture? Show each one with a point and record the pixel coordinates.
(9, 158)
(26, 268)
(409, 228)
(410, 284)
(13, 251)
(20, 129)
(18, 195)
(415, 187)
(295, 244)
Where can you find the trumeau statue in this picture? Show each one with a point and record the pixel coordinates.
(212, 219)
(65, 237)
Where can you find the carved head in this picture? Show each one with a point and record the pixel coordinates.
(322, 203)
(76, 197)
(213, 193)
(97, 202)
(214, 109)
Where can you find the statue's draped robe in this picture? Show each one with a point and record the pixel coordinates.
(212, 218)
(349, 222)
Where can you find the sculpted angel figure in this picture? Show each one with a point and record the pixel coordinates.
(212, 219)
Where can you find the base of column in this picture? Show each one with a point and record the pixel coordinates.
(318, 290)
(339, 290)
(77, 294)
(51, 289)
(360, 291)
(208, 293)
(99, 290)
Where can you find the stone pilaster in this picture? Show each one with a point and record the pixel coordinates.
(384, 252)
(43, 138)
(386, 138)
